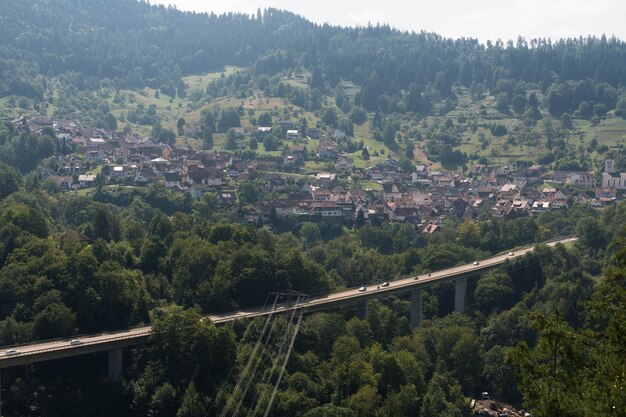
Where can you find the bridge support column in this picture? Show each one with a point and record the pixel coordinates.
(415, 311)
(460, 290)
(361, 310)
(115, 365)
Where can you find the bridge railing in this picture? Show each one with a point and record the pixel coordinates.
(391, 290)
(68, 339)
(68, 346)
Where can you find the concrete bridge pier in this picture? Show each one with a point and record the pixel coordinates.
(114, 373)
(415, 311)
(460, 290)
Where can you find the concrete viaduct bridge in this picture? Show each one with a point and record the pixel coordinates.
(116, 341)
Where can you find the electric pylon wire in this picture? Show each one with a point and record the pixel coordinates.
(254, 371)
(269, 373)
(282, 370)
(250, 360)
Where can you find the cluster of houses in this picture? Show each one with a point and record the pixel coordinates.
(423, 198)
(426, 198)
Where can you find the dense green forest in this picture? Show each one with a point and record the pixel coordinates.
(144, 68)
(133, 44)
(140, 262)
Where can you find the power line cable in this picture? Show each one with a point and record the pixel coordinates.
(256, 366)
(250, 360)
(269, 372)
(282, 371)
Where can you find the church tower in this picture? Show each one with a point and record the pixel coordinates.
(609, 165)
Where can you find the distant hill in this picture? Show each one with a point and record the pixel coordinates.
(135, 44)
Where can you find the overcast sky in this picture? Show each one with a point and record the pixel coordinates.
(482, 19)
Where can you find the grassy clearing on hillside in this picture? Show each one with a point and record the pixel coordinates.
(360, 163)
(364, 133)
(299, 82)
(314, 166)
(199, 82)
(371, 185)
(610, 132)
(519, 142)
(169, 109)
(471, 118)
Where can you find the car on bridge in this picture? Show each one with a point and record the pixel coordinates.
(363, 289)
(511, 253)
(12, 352)
(76, 342)
(476, 262)
(384, 284)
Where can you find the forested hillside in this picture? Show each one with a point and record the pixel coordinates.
(134, 44)
(136, 188)
(140, 262)
(128, 65)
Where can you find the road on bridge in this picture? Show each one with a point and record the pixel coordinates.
(78, 345)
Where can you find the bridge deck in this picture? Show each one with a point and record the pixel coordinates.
(56, 349)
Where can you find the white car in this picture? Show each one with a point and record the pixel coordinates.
(362, 289)
(12, 352)
(511, 253)
(384, 284)
(75, 342)
(475, 262)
